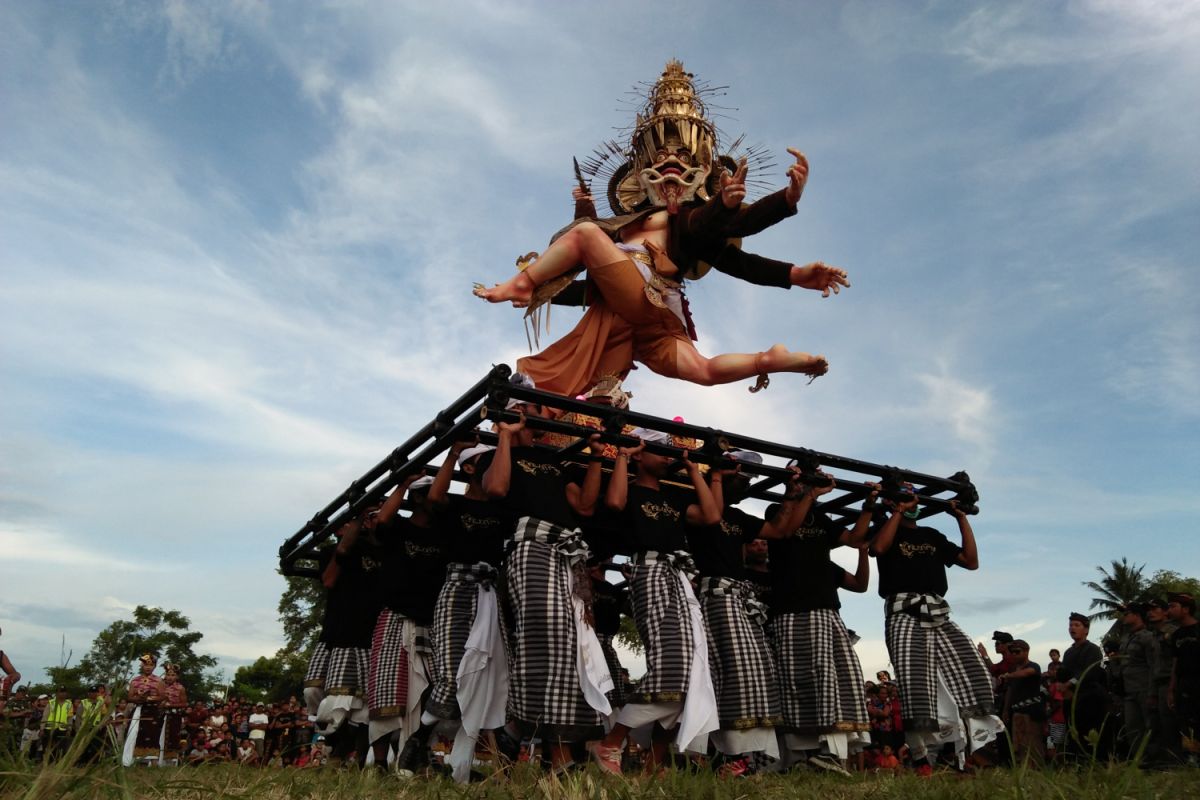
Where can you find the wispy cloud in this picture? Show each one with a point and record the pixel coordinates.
(1037, 34)
(1160, 362)
(195, 40)
(37, 549)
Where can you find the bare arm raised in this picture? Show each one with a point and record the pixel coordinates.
(583, 498)
(706, 510)
(498, 478)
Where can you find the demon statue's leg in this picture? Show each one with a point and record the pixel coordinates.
(584, 244)
(730, 367)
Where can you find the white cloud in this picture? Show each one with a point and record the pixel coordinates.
(968, 409)
(1021, 629)
(40, 551)
(195, 40)
(1038, 34)
(1159, 364)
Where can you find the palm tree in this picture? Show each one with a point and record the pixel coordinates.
(1124, 584)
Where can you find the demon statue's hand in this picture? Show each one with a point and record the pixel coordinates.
(733, 187)
(820, 277)
(797, 177)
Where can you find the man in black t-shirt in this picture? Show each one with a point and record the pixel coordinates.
(351, 606)
(412, 558)
(557, 674)
(472, 530)
(824, 717)
(1081, 679)
(1184, 692)
(923, 643)
(743, 668)
(677, 687)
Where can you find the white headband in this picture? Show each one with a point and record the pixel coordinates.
(745, 456)
(471, 452)
(525, 382)
(650, 436)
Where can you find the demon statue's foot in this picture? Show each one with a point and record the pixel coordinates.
(780, 359)
(517, 290)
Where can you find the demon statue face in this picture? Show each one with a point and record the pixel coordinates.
(673, 179)
(669, 159)
(672, 156)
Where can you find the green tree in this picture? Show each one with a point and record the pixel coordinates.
(301, 608)
(628, 635)
(163, 632)
(1123, 584)
(70, 677)
(269, 680)
(1167, 582)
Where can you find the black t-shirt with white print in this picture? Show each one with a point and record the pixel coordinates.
(413, 570)
(718, 548)
(538, 487)
(655, 520)
(916, 562)
(801, 579)
(474, 530)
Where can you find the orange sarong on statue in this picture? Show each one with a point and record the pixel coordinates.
(621, 327)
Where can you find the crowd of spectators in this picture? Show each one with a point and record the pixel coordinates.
(1130, 703)
(278, 734)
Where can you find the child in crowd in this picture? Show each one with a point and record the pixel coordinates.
(246, 754)
(888, 762)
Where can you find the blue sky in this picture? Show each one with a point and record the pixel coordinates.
(237, 242)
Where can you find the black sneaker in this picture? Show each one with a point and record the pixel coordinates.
(413, 758)
(507, 746)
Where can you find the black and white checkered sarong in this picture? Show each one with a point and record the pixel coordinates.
(453, 617)
(545, 698)
(348, 669)
(923, 644)
(820, 678)
(742, 669)
(660, 611)
(318, 666)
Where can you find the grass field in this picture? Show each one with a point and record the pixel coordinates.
(19, 779)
